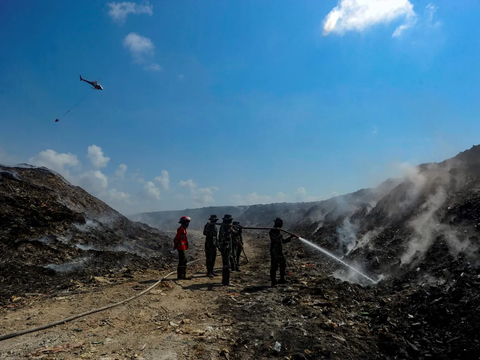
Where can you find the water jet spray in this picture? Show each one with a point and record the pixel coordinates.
(315, 246)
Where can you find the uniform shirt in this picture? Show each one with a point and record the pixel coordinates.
(225, 236)
(237, 237)
(276, 240)
(211, 232)
(181, 241)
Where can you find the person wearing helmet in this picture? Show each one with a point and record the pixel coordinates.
(276, 252)
(237, 246)
(180, 243)
(225, 241)
(211, 244)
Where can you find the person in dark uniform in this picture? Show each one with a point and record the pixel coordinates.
(237, 246)
(276, 252)
(211, 244)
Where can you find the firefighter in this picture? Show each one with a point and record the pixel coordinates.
(180, 243)
(237, 246)
(276, 252)
(225, 243)
(211, 244)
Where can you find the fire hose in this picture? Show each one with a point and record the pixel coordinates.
(269, 228)
(263, 228)
(19, 333)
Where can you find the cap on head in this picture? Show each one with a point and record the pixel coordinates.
(185, 219)
(213, 218)
(227, 218)
(278, 222)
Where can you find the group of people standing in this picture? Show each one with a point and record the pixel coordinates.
(229, 241)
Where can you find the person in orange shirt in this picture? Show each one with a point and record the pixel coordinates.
(180, 243)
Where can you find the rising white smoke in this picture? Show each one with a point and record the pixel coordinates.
(426, 227)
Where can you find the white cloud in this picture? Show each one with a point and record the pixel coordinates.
(203, 195)
(139, 46)
(188, 183)
(94, 181)
(153, 67)
(300, 194)
(254, 198)
(199, 195)
(120, 173)
(164, 180)
(55, 161)
(118, 196)
(95, 154)
(357, 15)
(430, 10)
(150, 191)
(119, 11)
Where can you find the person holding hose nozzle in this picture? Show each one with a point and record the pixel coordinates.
(276, 252)
(180, 243)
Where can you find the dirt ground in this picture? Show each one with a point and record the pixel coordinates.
(179, 319)
(314, 316)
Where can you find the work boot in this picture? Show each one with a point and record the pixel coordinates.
(274, 282)
(226, 276)
(282, 281)
(237, 268)
(179, 273)
(183, 273)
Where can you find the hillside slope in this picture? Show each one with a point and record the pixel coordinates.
(52, 232)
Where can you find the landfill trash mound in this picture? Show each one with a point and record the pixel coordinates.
(418, 236)
(53, 233)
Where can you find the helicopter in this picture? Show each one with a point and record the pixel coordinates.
(95, 84)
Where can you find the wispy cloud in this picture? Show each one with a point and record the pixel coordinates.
(358, 15)
(300, 195)
(150, 191)
(164, 179)
(430, 10)
(198, 195)
(119, 11)
(153, 67)
(120, 173)
(139, 46)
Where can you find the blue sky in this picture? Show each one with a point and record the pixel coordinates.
(238, 102)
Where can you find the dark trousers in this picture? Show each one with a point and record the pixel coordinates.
(210, 256)
(277, 260)
(226, 253)
(235, 257)
(182, 264)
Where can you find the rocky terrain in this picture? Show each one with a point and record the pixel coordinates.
(417, 237)
(53, 233)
